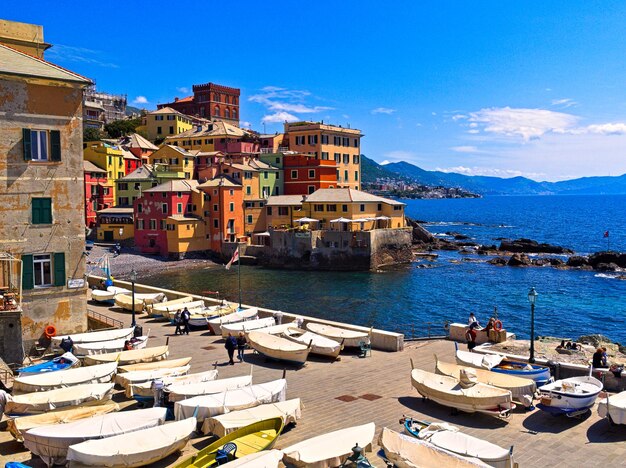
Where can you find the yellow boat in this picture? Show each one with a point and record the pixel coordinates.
(249, 439)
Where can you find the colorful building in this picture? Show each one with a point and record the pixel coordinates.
(107, 157)
(329, 142)
(166, 122)
(303, 174)
(137, 145)
(98, 193)
(216, 136)
(282, 211)
(42, 199)
(115, 224)
(210, 101)
(223, 211)
(175, 159)
(132, 186)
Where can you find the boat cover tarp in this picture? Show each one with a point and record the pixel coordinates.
(51, 442)
(290, 411)
(105, 347)
(103, 296)
(125, 301)
(331, 449)
(614, 406)
(66, 378)
(174, 304)
(319, 344)
(93, 337)
(276, 343)
(231, 400)
(178, 392)
(138, 448)
(133, 356)
(63, 362)
(265, 459)
(144, 389)
(349, 337)
(137, 377)
(277, 329)
(39, 402)
(480, 361)
(180, 362)
(408, 452)
(215, 323)
(468, 446)
(17, 426)
(248, 325)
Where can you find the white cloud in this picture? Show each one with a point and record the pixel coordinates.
(465, 149)
(489, 171)
(284, 103)
(383, 110)
(183, 89)
(245, 124)
(567, 102)
(617, 128)
(280, 117)
(140, 100)
(385, 162)
(65, 53)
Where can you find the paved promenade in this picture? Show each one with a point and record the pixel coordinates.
(356, 391)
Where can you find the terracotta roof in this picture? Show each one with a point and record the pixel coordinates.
(178, 185)
(165, 110)
(117, 210)
(141, 173)
(347, 195)
(134, 140)
(126, 154)
(221, 180)
(285, 200)
(213, 129)
(88, 166)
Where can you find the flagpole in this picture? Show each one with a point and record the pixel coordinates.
(239, 270)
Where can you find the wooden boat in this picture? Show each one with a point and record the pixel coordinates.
(205, 406)
(264, 459)
(40, 402)
(168, 312)
(249, 439)
(523, 390)
(157, 309)
(412, 426)
(137, 448)
(290, 411)
(248, 325)
(276, 329)
(125, 301)
(470, 398)
(52, 380)
(94, 337)
(137, 377)
(51, 443)
(498, 363)
(178, 392)
(99, 295)
(200, 317)
(331, 449)
(278, 348)
(350, 338)
(409, 452)
(215, 324)
(105, 347)
(143, 391)
(63, 362)
(17, 426)
(134, 356)
(573, 396)
(180, 362)
(319, 344)
(613, 408)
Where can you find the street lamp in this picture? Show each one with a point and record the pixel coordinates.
(121, 232)
(133, 278)
(532, 297)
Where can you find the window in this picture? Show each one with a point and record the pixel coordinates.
(247, 175)
(311, 189)
(234, 113)
(42, 210)
(249, 219)
(215, 208)
(164, 208)
(179, 208)
(265, 174)
(42, 270)
(278, 176)
(356, 176)
(283, 211)
(346, 141)
(269, 211)
(311, 174)
(346, 159)
(231, 192)
(231, 206)
(139, 208)
(122, 201)
(345, 176)
(140, 224)
(294, 174)
(344, 208)
(355, 159)
(266, 192)
(189, 208)
(379, 207)
(186, 161)
(397, 208)
(158, 117)
(300, 140)
(41, 145)
(159, 131)
(337, 157)
(331, 207)
(356, 143)
(312, 140)
(337, 141)
(318, 207)
(162, 225)
(248, 190)
(171, 130)
(324, 139)
(122, 186)
(362, 208)
(153, 224)
(174, 161)
(94, 190)
(325, 155)
(249, 204)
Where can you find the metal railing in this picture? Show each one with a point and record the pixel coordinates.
(423, 330)
(114, 323)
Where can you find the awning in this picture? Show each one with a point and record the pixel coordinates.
(341, 220)
(262, 234)
(361, 220)
(382, 218)
(307, 220)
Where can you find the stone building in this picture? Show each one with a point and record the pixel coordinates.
(41, 190)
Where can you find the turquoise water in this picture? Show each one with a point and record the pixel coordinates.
(570, 304)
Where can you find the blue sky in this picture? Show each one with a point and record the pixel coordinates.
(490, 87)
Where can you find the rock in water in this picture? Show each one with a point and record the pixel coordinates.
(577, 261)
(519, 259)
(531, 246)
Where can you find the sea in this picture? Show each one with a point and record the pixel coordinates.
(418, 298)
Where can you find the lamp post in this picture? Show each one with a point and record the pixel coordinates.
(532, 297)
(133, 278)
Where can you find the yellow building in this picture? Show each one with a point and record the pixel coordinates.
(166, 122)
(329, 142)
(282, 211)
(108, 157)
(215, 135)
(115, 224)
(188, 232)
(174, 159)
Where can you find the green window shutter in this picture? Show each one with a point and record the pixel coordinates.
(46, 210)
(26, 144)
(59, 269)
(55, 145)
(36, 204)
(28, 280)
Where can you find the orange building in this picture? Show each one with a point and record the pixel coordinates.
(223, 211)
(303, 174)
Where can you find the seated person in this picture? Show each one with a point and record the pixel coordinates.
(562, 345)
(596, 360)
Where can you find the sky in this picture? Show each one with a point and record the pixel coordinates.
(497, 88)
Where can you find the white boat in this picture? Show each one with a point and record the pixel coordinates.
(264, 459)
(408, 452)
(17, 426)
(178, 392)
(125, 301)
(331, 449)
(275, 347)
(155, 310)
(276, 329)
(463, 395)
(613, 407)
(248, 325)
(40, 402)
(137, 448)
(144, 390)
(215, 324)
(169, 312)
(319, 344)
(134, 356)
(205, 406)
(180, 362)
(523, 390)
(99, 295)
(52, 380)
(573, 396)
(136, 377)
(290, 411)
(51, 443)
(105, 347)
(349, 338)
(96, 336)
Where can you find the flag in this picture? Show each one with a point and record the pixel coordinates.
(606, 234)
(233, 260)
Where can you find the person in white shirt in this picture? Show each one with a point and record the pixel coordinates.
(472, 319)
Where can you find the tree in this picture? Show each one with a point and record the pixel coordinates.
(92, 134)
(119, 128)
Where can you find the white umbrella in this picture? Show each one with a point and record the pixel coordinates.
(361, 220)
(307, 220)
(341, 220)
(262, 234)
(382, 218)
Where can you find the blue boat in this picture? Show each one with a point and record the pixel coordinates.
(413, 426)
(63, 362)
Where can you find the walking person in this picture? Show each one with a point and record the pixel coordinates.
(179, 323)
(231, 345)
(241, 346)
(470, 336)
(185, 316)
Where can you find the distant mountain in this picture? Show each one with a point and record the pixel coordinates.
(371, 170)
(130, 110)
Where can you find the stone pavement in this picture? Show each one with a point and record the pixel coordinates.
(378, 389)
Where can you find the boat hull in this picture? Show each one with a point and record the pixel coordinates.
(570, 396)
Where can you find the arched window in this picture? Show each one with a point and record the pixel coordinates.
(226, 98)
(216, 112)
(235, 100)
(226, 114)
(234, 113)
